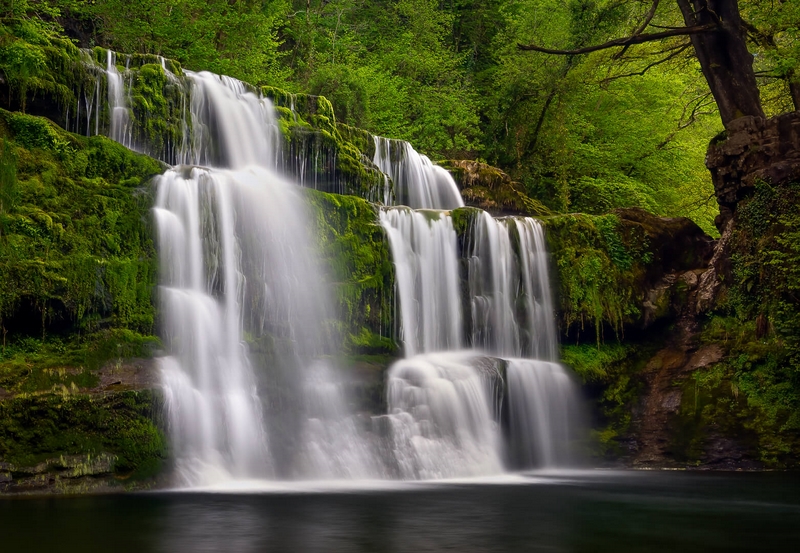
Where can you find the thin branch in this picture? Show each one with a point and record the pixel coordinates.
(675, 53)
(696, 205)
(665, 27)
(696, 113)
(626, 41)
(640, 29)
(759, 37)
(648, 18)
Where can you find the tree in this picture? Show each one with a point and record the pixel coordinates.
(719, 37)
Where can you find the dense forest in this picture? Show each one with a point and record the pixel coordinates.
(611, 128)
(589, 108)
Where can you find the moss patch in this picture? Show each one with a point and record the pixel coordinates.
(321, 153)
(600, 277)
(76, 246)
(35, 428)
(354, 247)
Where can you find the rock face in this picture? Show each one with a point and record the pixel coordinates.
(627, 268)
(752, 149)
(490, 189)
(677, 243)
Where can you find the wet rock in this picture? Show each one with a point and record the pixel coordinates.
(658, 300)
(690, 279)
(677, 243)
(128, 374)
(718, 267)
(73, 466)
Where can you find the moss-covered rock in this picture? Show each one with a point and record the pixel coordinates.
(76, 244)
(322, 154)
(50, 441)
(355, 249)
(757, 320)
(490, 189)
(621, 268)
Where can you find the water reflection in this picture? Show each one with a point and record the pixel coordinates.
(577, 512)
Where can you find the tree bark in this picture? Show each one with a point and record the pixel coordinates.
(724, 58)
(794, 88)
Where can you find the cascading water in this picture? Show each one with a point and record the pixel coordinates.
(509, 315)
(510, 305)
(245, 314)
(117, 104)
(542, 414)
(441, 418)
(510, 299)
(418, 183)
(237, 263)
(232, 126)
(424, 249)
(215, 414)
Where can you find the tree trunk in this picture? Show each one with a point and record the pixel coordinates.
(794, 88)
(724, 58)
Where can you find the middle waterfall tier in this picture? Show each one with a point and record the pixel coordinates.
(486, 287)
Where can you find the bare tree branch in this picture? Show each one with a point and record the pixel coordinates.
(640, 29)
(647, 19)
(675, 53)
(626, 41)
(703, 101)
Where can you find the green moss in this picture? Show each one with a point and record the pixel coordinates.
(491, 189)
(755, 391)
(39, 63)
(36, 428)
(463, 219)
(611, 373)
(599, 276)
(76, 250)
(360, 138)
(758, 319)
(316, 150)
(353, 245)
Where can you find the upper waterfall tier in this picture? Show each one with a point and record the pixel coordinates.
(232, 124)
(418, 183)
(151, 105)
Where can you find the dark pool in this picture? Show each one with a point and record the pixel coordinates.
(588, 511)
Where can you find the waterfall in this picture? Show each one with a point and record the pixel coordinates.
(232, 125)
(250, 388)
(215, 414)
(440, 413)
(244, 307)
(446, 418)
(543, 413)
(117, 103)
(425, 254)
(510, 299)
(418, 183)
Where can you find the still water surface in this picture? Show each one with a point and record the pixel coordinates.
(589, 511)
